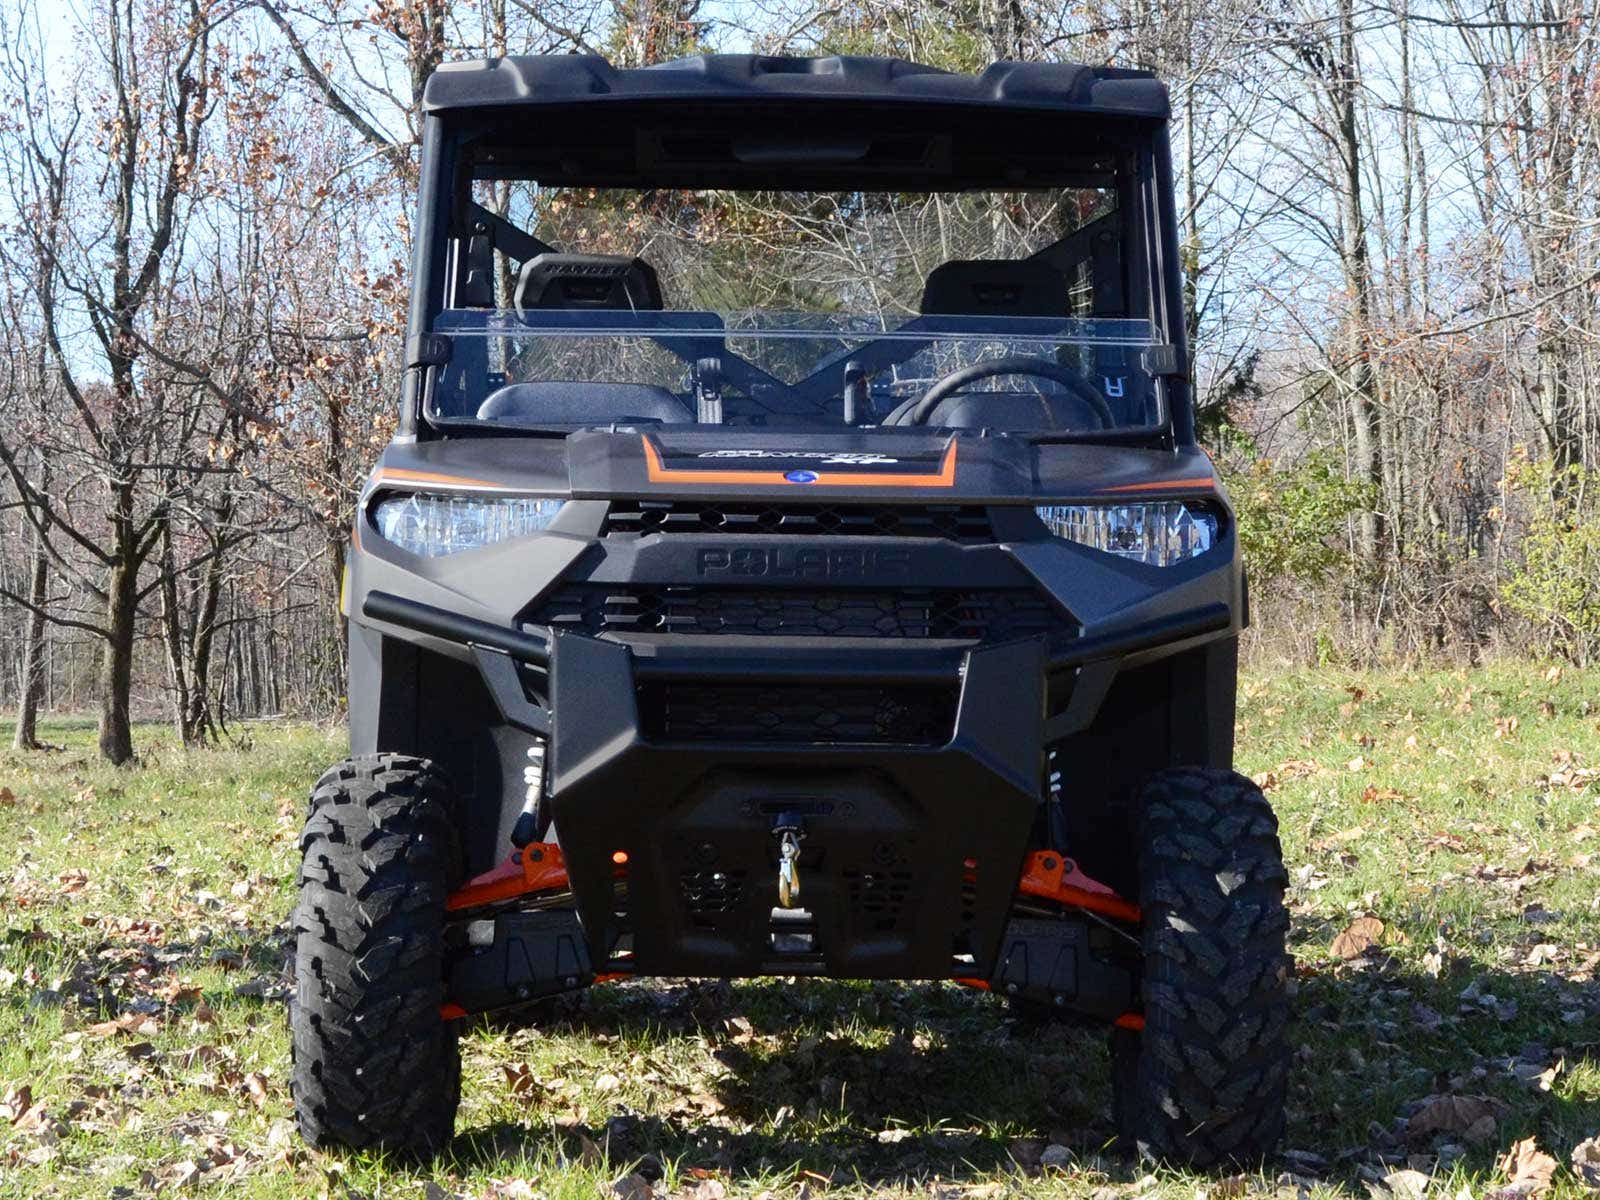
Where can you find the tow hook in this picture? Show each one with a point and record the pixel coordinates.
(790, 831)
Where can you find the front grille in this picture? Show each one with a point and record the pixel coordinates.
(878, 898)
(711, 892)
(958, 614)
(954, 522)
(797, 713)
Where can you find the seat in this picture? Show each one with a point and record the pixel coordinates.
(999, 287)
(566, 403)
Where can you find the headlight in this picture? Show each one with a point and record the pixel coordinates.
(1160, 534)
(431, 525)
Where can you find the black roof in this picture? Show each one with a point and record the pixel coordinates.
(574, 78)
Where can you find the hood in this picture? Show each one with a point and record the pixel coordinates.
(869, 465)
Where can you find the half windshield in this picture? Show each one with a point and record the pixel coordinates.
(990, 307)
(564, 369)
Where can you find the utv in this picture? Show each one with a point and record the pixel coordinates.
(794, 559)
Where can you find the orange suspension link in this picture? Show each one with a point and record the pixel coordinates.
(1047, 875)
(538, 867)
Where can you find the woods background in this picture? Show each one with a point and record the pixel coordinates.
(1390, 219)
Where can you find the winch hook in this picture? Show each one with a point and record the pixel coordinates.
(790, 833)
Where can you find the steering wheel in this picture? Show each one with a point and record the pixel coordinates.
(1016, 364)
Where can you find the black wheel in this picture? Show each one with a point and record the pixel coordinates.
(374, 1064)
(1204, 1082)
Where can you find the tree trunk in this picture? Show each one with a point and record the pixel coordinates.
(1360, 377)
(26, 736)
(172, 634)
(116, 663)
(200, 720)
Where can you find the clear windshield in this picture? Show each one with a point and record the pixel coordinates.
(1013, 310)
(556, 368)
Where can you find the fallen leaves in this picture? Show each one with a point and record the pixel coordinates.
(16, 1104)
(255, 1086)
(1586, 1163)
(1287, 772)
(1407, 1184)
(1474, 1118)
(134, 1023)
(1533, 1073)
(1529, 1171)
(1359, 936)
(523, 1083)
(210, 916)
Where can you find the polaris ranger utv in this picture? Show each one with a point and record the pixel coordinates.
(794, 559)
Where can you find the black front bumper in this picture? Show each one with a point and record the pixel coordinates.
(911, 851)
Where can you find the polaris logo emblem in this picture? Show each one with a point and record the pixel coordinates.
(801, 476)
(840, 458)
(812, 562)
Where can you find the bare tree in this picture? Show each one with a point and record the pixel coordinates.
(138, 146)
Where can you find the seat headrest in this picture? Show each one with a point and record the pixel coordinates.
(587, 281)
(561, 402)
(1019, 287)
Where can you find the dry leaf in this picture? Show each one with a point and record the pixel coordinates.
(1586, 1163)
(1536, 1075)
(1407, 1184)
(1473, 1117)
(522, 1080)
(16, 1104)
(633, 1186)
(1363, 934)
(1527, 1168)
(589, 1154)
(255, 1084)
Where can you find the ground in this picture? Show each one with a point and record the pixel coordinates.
(1440, 829)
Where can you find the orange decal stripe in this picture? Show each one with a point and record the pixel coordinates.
(406, 475)
(658, 473)
(1165, 485)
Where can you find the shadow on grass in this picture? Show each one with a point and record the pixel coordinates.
(89, 969)
(879, 1082)
(897, 1083)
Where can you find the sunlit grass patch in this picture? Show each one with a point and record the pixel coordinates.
(143, 974)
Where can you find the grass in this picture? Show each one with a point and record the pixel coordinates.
(142, 982)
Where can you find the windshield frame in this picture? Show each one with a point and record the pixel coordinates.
(1144, 177)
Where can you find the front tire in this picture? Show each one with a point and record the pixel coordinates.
(374, 1065)
(1204, 1083)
